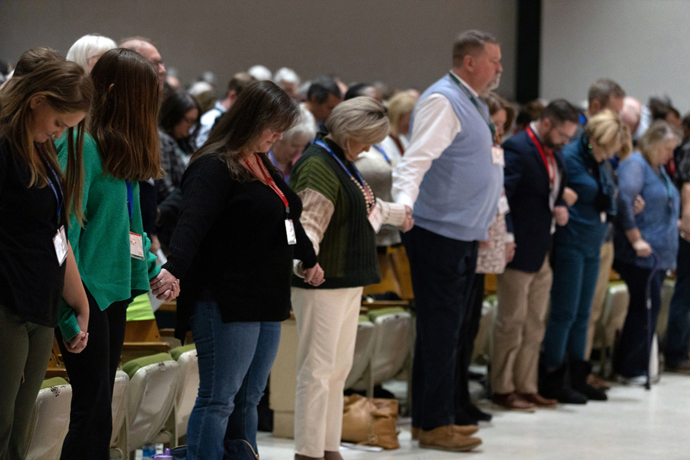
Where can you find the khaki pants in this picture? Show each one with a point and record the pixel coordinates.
(599, 294)
(523, 299)
(327, 328)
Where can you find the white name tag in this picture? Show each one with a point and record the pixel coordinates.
(603, 217)
(376, 218)
(136, 246)
(497, 156)
(290, 231)
(60, 242)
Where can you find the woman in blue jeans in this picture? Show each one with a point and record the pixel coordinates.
(655, 230)
(576, 254)
(233, 250)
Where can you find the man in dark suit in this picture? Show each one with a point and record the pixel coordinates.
(535, 180)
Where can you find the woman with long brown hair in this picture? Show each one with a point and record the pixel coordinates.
(233, 248)
(43, 99)
(111, 250)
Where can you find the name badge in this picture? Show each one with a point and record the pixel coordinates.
(603, 217)
(503, 207)
(290, 231)
(136, 246)
(60, 242)
(497, 156)
(376, 218)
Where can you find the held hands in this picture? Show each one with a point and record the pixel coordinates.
(408, 223)
(642, 248)
(569, 196)
(561, 215)
(510, 252)
(165, 286)
(78, 343)
(314, 275)
(638, 204)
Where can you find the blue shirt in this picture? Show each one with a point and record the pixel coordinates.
(658, 222)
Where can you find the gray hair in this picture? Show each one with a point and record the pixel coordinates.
(660, 131)
(470, 42)
(362, 119)
(260, 72)
(306, 126)
(286, 74)
(87, 47)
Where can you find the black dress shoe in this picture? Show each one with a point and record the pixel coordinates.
(462, 418)
(474, 412)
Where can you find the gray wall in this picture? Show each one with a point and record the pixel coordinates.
(403, 42)
(642, 44)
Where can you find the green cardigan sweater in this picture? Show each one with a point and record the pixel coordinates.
(101, 248)
(348, 248)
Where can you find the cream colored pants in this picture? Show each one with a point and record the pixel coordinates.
(599, 294)
(327, 328)
(523, 299)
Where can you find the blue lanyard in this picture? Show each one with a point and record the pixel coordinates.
(383, 152)
(475, 103)
(130, 199)
(60, 198)
(273, 158)
(325, 146)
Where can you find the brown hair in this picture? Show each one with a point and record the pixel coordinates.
(496, 103)
(31, 59)
(470, 42)
(261, 105)
(602, 90)
(123, 119)
(67, 89)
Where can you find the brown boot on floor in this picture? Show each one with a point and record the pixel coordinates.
(597, 382)
(465, 430)
(539, 401)
(304, 457)
(446, 438)
(332, 455)
(512, 401)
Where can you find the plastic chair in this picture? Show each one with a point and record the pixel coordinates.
(364, 347)
(50, 420)
(187, 385)
(118, 440)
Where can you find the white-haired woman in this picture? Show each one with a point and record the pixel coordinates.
(294, 141)
(88, 49)
(288, 79)
(341, 216)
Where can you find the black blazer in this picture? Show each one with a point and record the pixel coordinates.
(527, 190)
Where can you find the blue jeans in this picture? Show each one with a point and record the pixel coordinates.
(575, 272)
(678, 332)
(235, 360)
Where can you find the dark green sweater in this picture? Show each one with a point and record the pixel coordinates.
(348, 248)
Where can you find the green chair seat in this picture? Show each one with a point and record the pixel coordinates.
(55, 381)
(134, 365)
(177, 352)
(384, 311)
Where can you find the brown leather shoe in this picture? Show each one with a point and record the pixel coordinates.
(538, 400)
(512, 401)
(465, 430)
(446, 438)
(597, 382)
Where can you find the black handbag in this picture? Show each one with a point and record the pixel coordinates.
(237, 449)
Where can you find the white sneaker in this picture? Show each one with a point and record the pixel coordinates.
(640, 380)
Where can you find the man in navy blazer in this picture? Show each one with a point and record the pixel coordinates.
(535, 180)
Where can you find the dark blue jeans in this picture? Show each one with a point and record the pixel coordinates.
(678, 331)
(632, 355)
(442, 276)
(575, 272)
(235, 360)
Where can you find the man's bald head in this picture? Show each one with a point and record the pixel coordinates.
(146, 49)
(631, 113)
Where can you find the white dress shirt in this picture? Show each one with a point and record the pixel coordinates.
(434, 128)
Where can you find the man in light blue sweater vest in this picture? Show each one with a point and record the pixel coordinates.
(451, 179)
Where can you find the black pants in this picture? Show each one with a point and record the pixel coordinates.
(442, 275)
(468, 334)
(92, 376)
(631, 359)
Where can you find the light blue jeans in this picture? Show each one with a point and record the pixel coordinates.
(235, 360)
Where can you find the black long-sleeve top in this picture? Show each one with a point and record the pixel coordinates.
(230, 245)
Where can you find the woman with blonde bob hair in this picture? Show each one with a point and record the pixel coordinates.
(88, 49)
(654, 230)
(400, 109)
(576, 259)
(341, 216)
(37, 266)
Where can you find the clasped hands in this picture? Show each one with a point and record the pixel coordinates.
(165, 286)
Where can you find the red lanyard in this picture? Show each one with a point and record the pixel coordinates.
(550, 163)
(269, 179)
